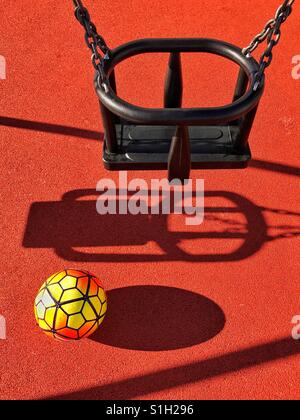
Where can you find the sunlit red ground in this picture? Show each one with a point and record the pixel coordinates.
(194, 313)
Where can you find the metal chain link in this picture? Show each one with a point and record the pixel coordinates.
(271, 32)
(94, 41)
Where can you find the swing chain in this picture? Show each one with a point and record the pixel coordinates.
(271, 32)
(94, 41)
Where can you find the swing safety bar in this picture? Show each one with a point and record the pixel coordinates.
(245, 100)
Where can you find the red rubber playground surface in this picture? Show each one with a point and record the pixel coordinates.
(201, 312)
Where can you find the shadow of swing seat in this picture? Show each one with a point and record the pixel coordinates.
(73, 223)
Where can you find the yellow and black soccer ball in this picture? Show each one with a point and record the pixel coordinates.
(70, 305)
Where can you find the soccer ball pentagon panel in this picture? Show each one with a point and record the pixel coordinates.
(70, 305)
